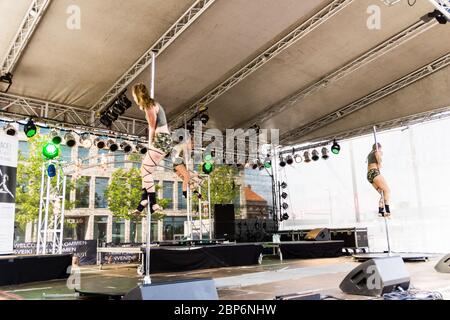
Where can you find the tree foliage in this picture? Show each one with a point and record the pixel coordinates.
(124, 194)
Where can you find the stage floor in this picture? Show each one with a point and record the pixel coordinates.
(264, 281)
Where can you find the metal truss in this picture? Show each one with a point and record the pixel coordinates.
(23, 36)
(192, 14)
(429, 69)
(295, 35)
(423, 117)
(375, 53)
(51, 202)
(18, 107)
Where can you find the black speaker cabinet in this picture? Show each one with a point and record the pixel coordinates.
(224, 227)
(321, 234)
(202, 289)
(443, 265)
(376, 277)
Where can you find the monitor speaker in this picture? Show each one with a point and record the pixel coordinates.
(443, 264)
(320, 234)
(224, 226)
(202, 289)
(376, 277)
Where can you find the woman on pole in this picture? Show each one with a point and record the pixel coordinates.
(375, 178)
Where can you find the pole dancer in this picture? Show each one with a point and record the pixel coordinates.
(379, 183)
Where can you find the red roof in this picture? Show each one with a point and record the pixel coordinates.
(251, 195)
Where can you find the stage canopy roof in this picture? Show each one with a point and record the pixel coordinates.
(311, 68)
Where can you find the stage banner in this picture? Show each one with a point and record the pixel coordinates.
(8, 165)
(86, 250)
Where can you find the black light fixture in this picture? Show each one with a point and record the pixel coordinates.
(298, 158)
(99, 143)
(7, 78)
(116, 109)
(204, 118)
(285, 216)
(285, 206)
(289, 160)
(70, 140)
(10, 130)
(282, 162)
(55, 136)
(85, 140)
(142, 149)
(306, 156)
(325, 154)
(126, 147)
(30, 129)
(315, 155)
(335, 148)
(284, 195)
(284, 185)
(439, 16)
(112, 145)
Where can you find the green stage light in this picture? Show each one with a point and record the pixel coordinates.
(208, 165)
(30, 129)
(50, 151)
(335, 148)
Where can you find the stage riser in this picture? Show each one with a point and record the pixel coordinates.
(25, 269)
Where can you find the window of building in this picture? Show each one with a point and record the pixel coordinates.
(83, 155)
(103, 152)
(118, 231)
(135, 232)
(24, 149)
(82, 192)
(173, 227)
(66, 153)
(68, 183)
(182, 205)
(100, 228)
(101, 184)
(119, 158)
(168, 193)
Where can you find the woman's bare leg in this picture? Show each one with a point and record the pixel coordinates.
(183, 174)
(149, 165)
(385, 191)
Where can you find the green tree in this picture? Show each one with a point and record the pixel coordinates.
(29, 173)
(124, 194)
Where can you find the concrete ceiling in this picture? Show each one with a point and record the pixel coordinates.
(77, 67)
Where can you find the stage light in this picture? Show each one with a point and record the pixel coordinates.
(439, 16)
(268, 163)
(284, 185)
(289, 160)
(142, 149)
(70, 140)
(335, 148)
(30, 129)
(106, 121)
(282, 162)
(285, 216)
(55, 137)
(284, 195)
(285, 206)
(112, 145)
(315, 155)
(7, 78)
(50, 151)
(208, 164)
(99, 143)
(126, 147)
(325, 154)
(85, 140)
(204, 118)
(10, 130)
(306, 157)
(298, 158)
(51, 170)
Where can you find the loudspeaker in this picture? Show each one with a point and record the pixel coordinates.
(320, 234)
(202, 289)
(443, 265)
(224, 221)
(376, 277)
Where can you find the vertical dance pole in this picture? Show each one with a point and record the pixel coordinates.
(188, 188)
(382, 196)
(147, 279)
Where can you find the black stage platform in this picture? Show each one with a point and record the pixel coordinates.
(181, 258)
(407, 257)
(33, 268)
